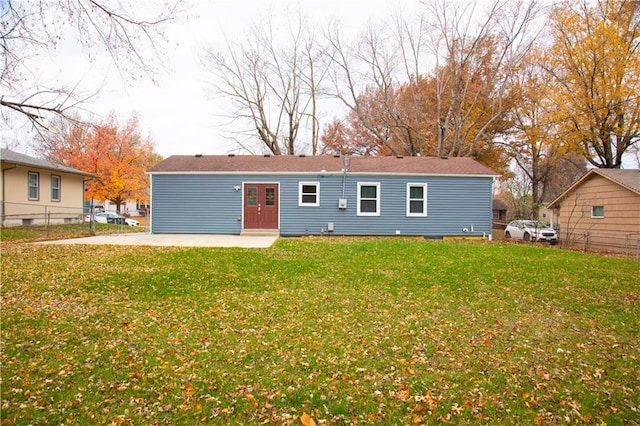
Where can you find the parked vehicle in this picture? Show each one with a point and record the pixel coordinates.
(113, 218)
(531, 230)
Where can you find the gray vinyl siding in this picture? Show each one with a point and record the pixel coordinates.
(210, 204)
(453, 204)
(195, 204)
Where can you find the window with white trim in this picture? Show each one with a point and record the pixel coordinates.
(55, 188)
(309, 194)
(34, 186)
(416, 199)
(368, 199)
(597, 211)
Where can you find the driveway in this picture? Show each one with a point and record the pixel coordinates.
(179, 240)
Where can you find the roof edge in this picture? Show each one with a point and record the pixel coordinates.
(585, 177)
(320, 173)
(25, 160)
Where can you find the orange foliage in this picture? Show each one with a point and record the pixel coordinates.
(119, 156)
(406, 122)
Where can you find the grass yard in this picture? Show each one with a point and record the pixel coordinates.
(60, 232)
(319, 330)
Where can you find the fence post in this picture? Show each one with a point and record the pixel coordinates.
(587, 236)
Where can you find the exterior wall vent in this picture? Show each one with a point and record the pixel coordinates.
(267, 155)
(301, 155)
(399, 156)
(198, 155)
(232, 155)
(336, 155)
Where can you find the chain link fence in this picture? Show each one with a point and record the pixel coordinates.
(627, 244)
(24, 214)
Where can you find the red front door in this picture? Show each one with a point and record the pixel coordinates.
(261, 206)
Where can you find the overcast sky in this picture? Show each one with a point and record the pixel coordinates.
(178, 112)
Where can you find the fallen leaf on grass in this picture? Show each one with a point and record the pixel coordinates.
(252, 399)
(306, 420)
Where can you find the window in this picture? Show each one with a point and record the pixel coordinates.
(55, 188)
(309, 194)
(270, 197)
(416, 199)
(597, 211)
(368, 199)
(34, 186)
(252, 196)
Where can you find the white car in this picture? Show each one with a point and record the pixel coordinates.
(531, 230)
(114, 218)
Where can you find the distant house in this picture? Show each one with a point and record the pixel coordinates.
(499, 209)
(601, 211)
(321, 195)
(129, 207)
(545, 214)
(36, 191)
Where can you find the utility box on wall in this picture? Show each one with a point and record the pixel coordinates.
(342, 203)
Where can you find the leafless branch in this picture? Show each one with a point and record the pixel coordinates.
(31, 29)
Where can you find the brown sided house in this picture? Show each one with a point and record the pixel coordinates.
(601, 211)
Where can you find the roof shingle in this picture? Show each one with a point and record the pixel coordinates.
(321, 163)
(13, 157)
(629, 178)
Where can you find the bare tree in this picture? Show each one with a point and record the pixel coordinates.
(440, 81)
(516, 193)
(30, 30)
(476, 57)
(272, 79)
(367, 76)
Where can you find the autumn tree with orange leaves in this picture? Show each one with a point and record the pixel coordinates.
(116, 153)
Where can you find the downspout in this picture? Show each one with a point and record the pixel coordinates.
(2, 213)
(149, 210)
(345, 167)
(493, 185)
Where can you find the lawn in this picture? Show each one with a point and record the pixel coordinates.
(319, 330)
(59, 232)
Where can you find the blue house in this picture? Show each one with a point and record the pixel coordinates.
(319, 195)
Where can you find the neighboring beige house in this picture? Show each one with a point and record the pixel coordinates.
(545, 214)
(601, 211)
(36, 191)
